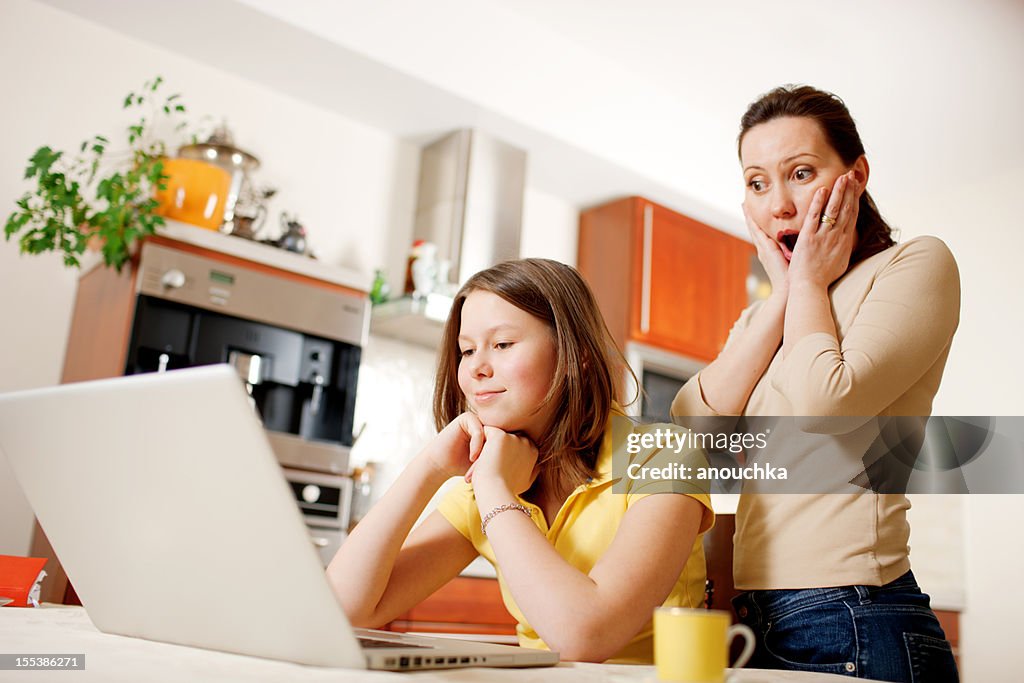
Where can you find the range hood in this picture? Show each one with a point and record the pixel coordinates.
(470, 204)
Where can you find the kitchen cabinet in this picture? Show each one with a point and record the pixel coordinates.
(950, 622)
(463, 605)
(663, 278)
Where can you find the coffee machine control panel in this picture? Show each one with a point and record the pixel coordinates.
(173, 279)
(298, 304)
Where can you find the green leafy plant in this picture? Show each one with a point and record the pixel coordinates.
(58, 216)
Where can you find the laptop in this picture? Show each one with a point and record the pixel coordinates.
(164, 502)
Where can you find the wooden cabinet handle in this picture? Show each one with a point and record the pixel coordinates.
(645, 288)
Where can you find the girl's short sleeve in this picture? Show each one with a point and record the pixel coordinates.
(458, 506)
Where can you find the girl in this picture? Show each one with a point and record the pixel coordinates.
(523, 403)
(856, 325)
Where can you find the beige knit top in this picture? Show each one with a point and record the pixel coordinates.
(895, 315)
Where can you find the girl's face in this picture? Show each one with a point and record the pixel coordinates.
(784, 161)
(507, 364)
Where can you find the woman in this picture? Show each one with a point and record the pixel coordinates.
(523, 405)
(856, 325)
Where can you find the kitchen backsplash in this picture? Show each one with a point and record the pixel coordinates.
(393, 401)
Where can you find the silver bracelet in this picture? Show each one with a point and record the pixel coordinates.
(504, 507)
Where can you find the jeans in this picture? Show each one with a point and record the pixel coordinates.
(888, 632)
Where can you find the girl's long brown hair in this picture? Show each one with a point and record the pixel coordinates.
(588, 362)
(830, 113)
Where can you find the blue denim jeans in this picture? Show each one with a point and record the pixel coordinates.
(888, 633)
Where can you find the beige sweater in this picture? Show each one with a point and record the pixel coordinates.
(895, 314)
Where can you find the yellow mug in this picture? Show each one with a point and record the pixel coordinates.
(692, 645)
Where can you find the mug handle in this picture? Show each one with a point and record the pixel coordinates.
(748, 648)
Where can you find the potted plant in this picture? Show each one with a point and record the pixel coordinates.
(99, 196)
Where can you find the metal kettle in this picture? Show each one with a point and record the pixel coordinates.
(293, 237)
(219, 149)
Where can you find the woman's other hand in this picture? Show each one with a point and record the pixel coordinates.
(506, 458)
(454, 449)
(822, 252)
(769, 254)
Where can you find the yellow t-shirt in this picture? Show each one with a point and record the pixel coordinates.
(581, 532)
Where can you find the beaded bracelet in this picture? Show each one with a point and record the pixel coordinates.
(504, 507)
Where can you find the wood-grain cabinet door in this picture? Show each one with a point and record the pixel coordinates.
(463, 605)
(691, 283)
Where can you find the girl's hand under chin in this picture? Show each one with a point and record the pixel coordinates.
(506, 459)
(456, 446)
(822, 252)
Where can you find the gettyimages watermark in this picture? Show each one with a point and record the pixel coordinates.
(937, 454)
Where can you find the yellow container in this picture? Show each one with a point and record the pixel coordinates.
(196, 192)
(692, 645)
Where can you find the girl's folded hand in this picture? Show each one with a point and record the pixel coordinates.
(506, 458)
(456, 446)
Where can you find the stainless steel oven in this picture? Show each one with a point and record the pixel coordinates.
(661, 374)
(326, 504)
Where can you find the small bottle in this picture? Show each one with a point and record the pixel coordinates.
(414, 253)
(424, 271)
(380, 290)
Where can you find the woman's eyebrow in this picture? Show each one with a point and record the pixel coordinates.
(801, 154)
(784, 161)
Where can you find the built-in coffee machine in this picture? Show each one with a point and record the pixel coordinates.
(295, 345)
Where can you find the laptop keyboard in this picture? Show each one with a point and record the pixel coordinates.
(376, 643)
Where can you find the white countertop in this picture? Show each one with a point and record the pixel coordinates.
(480, 568)
(64, 630)
(252, 251)
(266, 254)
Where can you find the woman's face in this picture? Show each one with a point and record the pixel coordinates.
(507, 364)
(784, 161)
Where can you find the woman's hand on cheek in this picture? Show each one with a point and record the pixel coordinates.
(454, 449)
(822, 252)
(506, 459)
(769, 254)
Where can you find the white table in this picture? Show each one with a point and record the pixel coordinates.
(58, 629)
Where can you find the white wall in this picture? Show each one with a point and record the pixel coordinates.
(63, 80)
(990, 636)
(550, 227)
(975, 216)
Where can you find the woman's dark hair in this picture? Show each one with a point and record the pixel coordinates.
(588, 362)
(829, 111)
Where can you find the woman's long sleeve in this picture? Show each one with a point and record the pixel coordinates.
(901, 329)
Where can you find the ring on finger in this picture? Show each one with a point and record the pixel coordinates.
(827, 220)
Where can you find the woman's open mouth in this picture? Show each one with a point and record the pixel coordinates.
(787, 241)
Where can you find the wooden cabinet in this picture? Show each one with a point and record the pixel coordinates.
(950, 622)
(463, 605)
(662, 278)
